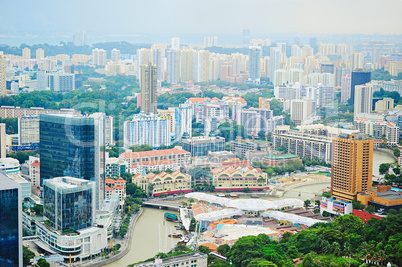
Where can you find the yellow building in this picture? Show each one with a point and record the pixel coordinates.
(263, 103)
(163, 183)
(352, 165)
(236, 178)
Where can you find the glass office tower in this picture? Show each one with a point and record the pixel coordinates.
(69, 203)
(73, 145)
(10, 222)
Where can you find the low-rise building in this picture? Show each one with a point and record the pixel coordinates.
(156, 165)
(201, 145)
(195, 259)
(177, 154)
(163, 183)
(115, 167)
(239, 178)
(336, 207)
(383, 197)
(240, 147)
(116, 187)
(310, 142)
(220, 156)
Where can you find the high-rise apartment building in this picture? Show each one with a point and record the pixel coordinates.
(175, 43)
(55, 81)
(72, 145)
(26, 53)
(356, 61)
(346, 88)
(28, 130)
(363, 99)
(352, 165)
(147, 129)
(301, 110)
(173, 66)
(274, 59)
(183, 120)
(296, 51)
(80, 38)
(3, 83)
(115, 55)
(10, 222)
(99, 57)
(254, 65)
(149, 75)
(40, 53)
(69, 203)
(359, 77)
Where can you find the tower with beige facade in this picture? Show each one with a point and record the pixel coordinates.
(352, 165)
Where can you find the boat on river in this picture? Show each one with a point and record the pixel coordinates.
(175, 235)
(180, 227)
(171, 217)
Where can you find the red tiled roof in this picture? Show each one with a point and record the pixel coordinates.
(110, 181)
(121, 180)
(35, 164)
(118, 187)
(163, 152)
(107, 188)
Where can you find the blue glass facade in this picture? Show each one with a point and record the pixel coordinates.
(359, 77)
(10, 223)
(200, 147)
(68, 203)
(67, 147)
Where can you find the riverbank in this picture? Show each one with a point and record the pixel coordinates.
(124, 248)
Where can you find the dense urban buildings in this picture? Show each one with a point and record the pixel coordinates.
(352, 165)
(359, 77)
(10, 222)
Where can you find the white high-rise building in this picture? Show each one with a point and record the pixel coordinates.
(363, 99)
(115, 55)
(296, 51)
(201, 66)
(356, 61)
(175, 43)
(99, 57)
(215, 41)
(26, 53)
(281, 77)
(28, 130)
(183, 120)
(146, 129)
(40, 53)
(3, 83)
(306, 51)
(254, 64)
(346, 88)
(80, 38)
(172, 68)
(274, 62)
(207, 41)
(301, 110)
(281, 47)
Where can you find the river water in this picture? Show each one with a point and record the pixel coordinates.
(148, 240)
(150, 236)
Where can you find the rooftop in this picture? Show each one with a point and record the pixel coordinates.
(279, 157)
(154, 153)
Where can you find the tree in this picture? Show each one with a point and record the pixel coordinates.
(308, 261)
(27, 255)
(144, 147)
(307, 203)
(261, 134)
(384, 168)
(283, 149)
(357, 205)
(224, 250)
(397, 152)
(260, 262)
(43, 263)
(370, 209)
(230, 131)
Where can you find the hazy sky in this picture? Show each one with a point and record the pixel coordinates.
(200, 16)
